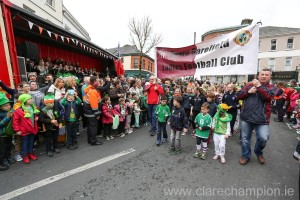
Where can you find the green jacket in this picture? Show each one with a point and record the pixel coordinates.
(162, 113)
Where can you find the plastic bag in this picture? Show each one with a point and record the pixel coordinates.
(116, 122)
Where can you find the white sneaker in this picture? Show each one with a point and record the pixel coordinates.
(130, 131)
(78, 133)
(216, 157)
(183, 133)
(122, 135)
(99, 136)
(223, 161)
(111, 137)
(107, 138)
(18, 157)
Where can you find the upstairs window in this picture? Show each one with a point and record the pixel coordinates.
(290, 43)
(50, 3)
(136, 64)
(273, 45)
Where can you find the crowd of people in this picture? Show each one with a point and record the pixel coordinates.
(58, 97)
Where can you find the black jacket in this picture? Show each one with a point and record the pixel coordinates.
(197, 102)
(178, 119)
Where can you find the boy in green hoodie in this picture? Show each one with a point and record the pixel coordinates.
(162, 114)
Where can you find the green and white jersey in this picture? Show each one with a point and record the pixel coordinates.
(202, 121)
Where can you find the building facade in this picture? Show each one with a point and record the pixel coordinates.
(55, 12)
(131, 61)
(279, 50)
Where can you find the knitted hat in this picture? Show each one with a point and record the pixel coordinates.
(32, 74)
(23, 99)
(3, 99)
(49, 98)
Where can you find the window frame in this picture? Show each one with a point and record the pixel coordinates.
(52, 4)
(291, 63)
(135, 64)
(273, 45)
(287, 43)
(272, 67)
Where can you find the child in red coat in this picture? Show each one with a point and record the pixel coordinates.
(107, 117)
(25, 124)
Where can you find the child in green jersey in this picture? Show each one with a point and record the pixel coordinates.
(203, 123)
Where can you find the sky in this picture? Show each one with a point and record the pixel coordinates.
(106, 21)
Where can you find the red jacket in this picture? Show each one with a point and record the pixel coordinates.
(153, 95)
(20, 123)
(117, 111)
(107, 114)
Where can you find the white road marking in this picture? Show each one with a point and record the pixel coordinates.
(289, 126)
(57, 177)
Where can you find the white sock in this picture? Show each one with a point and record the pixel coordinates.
(198, 147)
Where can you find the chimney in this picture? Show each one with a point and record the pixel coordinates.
(246, 21)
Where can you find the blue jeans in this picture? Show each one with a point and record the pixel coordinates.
(152, 116)
(162, 127)
(27, 144)
(262, 136)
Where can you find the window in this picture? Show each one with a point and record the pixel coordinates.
(271, 64)
(288, 64)
(258, 61)
(50, 2)
(136, 64)
(143, 64)
(259, 45)
(290, 43)
(273, 45)
(148, 68)
(28, 9)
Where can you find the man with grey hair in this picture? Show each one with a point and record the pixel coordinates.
(153, 90)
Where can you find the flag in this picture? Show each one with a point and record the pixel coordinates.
(234, 53)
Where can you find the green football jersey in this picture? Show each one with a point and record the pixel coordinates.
(203, 120)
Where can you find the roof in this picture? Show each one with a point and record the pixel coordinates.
(275, 30)
(126, 50)
(220, 30)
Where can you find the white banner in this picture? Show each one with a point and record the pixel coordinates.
(235, 53)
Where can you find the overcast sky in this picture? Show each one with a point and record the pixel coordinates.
(106, 21)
